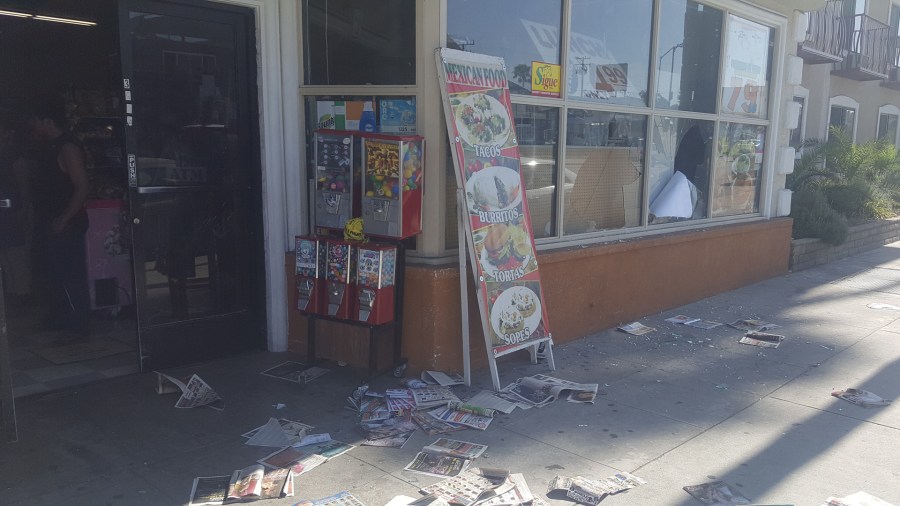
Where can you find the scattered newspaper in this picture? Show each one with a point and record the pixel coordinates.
(389, 442)
(857, 499)
(703, 324)
(471, 486)
(312, 439)
(209, 490)
(636, 328)
(486, 399)
(442, 379)
(432, 396)
(310, 374)
(429, 500)
(682, 319)
(716, 492)
(288, 371)
(462, 417)
(878, 305)
(861, 397)
(456, 448)
(519, 494)
(277, 432)
(755, 325)
(762, 339)
(432, 426)
(590, 491)
(540, 390)
(441, 465)
(339, 499)
(400, 399)
(194, 391)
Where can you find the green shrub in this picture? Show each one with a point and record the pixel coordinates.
(814, 218)
(851, 199)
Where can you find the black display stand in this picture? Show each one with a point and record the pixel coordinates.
(374, 331)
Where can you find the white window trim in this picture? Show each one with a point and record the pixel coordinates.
(845, 102)
(892, 110)
(800, 91)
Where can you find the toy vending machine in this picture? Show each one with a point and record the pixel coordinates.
(310, 274)
(392, 185)
(340, 274)
(376, 267)
(336, 187)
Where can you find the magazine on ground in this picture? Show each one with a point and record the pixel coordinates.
(471, 486)
(437, 464)
(755, 325)
(716, 492)
(682, 319)
(462, 417)
(861, 397)
(456, 448)
(703, 324)
(540, 390)
(486, 399)
(517, 495)
(432, 426)
(433, 396)
(194, 391)
(442, 379)
(209, 490)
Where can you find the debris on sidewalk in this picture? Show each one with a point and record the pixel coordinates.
(762, 339)
(194, 391)
(471, 486)
(488, 400)
(857, 499)
(432, 426)
(716, 492)
(310, 374)
(209, 490)
(305, 458)
(277, 432)
(442, 379)
(861, 397)
(288, 371)
(253, 482)
(682, 319)
(339, 499)
(519, 494)
(636, 328)
(590, 491)
(703, 324)
(540, 390)
(754, 325)
(445, 458)
(461, 414)
(879, 305)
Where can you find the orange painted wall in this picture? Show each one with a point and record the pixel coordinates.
(587, 289)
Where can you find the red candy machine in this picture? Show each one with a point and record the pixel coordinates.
(392, 185)
(310, 274)
(340, 277)
(337, 188)
(376, 267)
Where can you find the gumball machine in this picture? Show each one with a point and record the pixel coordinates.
(310, 274)
(340, 276)
(392, 185)
(376, 265)
(336, 198)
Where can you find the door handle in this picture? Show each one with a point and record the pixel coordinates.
(136, 221)
(6, 203)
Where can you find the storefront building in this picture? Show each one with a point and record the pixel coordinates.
(654, 177)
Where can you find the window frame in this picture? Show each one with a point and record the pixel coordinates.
(889, 110)
(802, 93)
(844, 102)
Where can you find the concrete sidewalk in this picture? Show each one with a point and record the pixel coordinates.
(679, 406)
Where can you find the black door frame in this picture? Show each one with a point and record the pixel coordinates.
(196, 340)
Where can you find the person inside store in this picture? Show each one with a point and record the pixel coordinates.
(59, 183)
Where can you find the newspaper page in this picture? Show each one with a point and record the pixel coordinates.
(389, 442)
(578, 488)
(209, 490)
(456, 448)
(519, 494)
(467, 488)
(755, 325)
(761, 339)
(437, 464)
(716, 492)
(294, 430)
(288, 371)
(703, 324)
(682, 319)
(858, 499)
(485, 399)
(432, 396)
(442, 379)
(389, 428)
(861, 397)
(310, 374)
(339, 499)
(198, 393)
(636, 328)
(462, 417)
(432, 426)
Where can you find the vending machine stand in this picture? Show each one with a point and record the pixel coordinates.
(395, 327)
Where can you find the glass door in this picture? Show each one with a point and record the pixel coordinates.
(194, 180)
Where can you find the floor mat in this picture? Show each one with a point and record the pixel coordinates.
(78, 352)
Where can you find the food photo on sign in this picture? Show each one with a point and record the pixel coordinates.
(504, 251)
(516, 312)
(482, 120)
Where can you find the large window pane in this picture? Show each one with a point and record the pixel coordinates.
(738, 168)
(843, 119)
(521, 31)
(537, 129)
(747, 69)
(688, 66)
(352, 42)
(609, 51)
(604, 162)
(679, 169)
(887, 127)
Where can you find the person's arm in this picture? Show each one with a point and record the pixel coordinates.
(72, 162)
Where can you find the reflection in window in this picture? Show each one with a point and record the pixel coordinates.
(688, 66)
(521, 31)
(679, 169)
(351, 42)
(537, 129)
(609, 51)
(747, 69)
(604, 162)
(887, 127)
(843, 119)
(735, 188)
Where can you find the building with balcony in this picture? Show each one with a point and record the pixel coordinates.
(851, 54)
